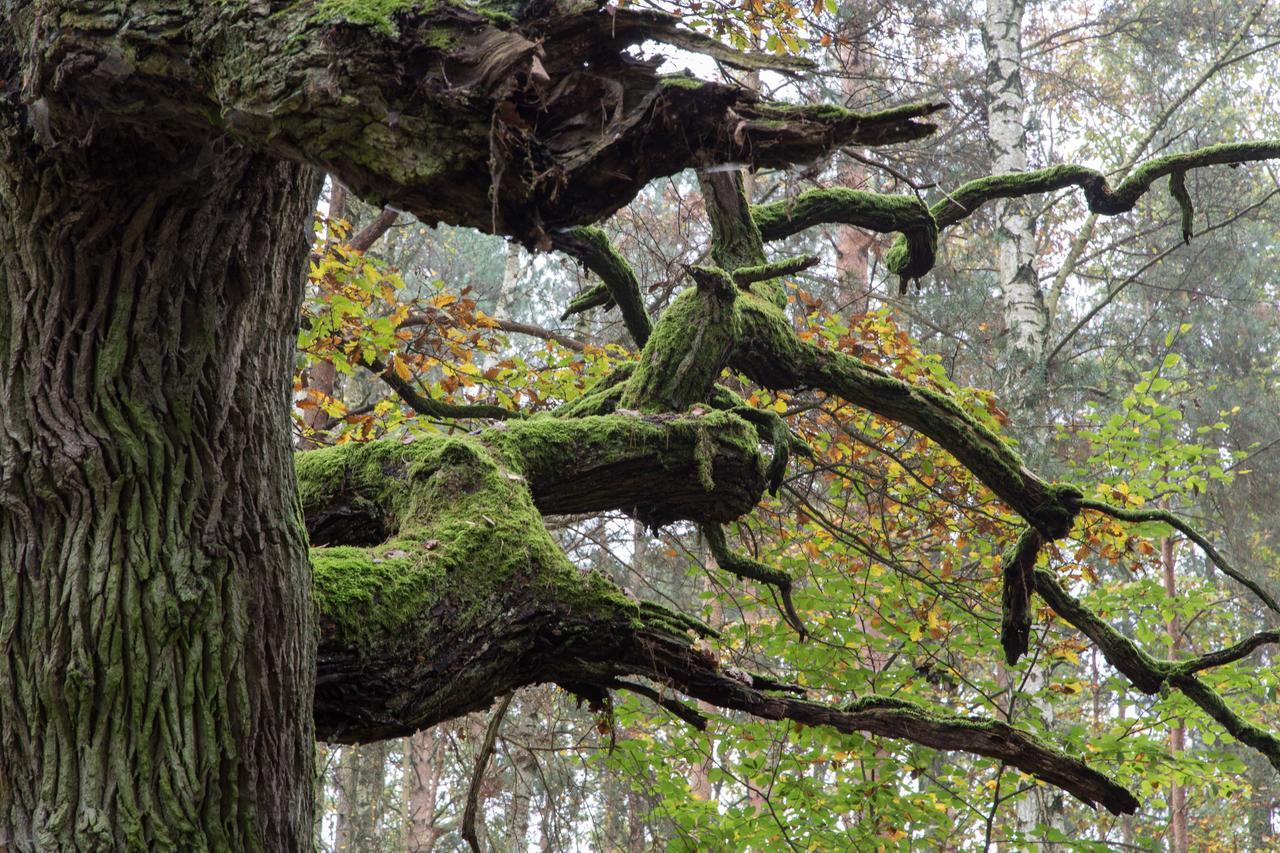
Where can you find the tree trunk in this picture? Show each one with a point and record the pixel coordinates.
(1177, 731)
(156, 631)
(426, 766)
(1024, 312)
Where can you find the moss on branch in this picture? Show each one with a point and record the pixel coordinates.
(911, 256)
(591, 246)
(1099, 195)
(1152, 675)
(1018, 565)
(689, 347)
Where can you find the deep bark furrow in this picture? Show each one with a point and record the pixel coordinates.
(154, 695)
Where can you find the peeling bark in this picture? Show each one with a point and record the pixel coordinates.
(1024, 313)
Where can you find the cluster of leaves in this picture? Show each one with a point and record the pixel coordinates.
(899, 552)
(359, 317)
(778, 26)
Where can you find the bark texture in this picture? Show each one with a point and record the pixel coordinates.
(155, 611)
(1024, 314)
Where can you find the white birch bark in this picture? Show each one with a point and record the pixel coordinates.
(1023, 302)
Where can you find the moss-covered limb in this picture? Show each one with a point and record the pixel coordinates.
(596, 296)
(1018, 564)
(468, 598)
(911, 256)
(1178, 189)
(689, 671)
(591, 246)
(658, 468)
(1145, 672)
(1142, 514)
(750, 569)
(1212, 703)
(654, 467)
(1099, 195)
(774, 356)
(736, 241)
(886, 127)
(1231, 654)
(770, 353)
(772, 427)
(746, 276)
(1151, 675)
(424, 405)
(689, 347)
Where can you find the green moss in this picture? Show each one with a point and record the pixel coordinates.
(686, 352)
(467, 535)
(370, 13)
(537, 447)
(681, 81)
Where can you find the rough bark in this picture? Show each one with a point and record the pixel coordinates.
(156, 634)
(426, 766)
(427, 106)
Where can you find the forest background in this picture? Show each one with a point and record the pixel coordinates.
(1112, 351)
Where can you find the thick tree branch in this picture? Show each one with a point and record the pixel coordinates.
(364, 239)
(591, 246)
(517, 118)
(718, 325)
(910, 257)
(470, 599)
(686, 670)
(1231, 654)
(913, 252)
(659, 468)
(1099, 195)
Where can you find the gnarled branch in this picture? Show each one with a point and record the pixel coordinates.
(516, 118)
